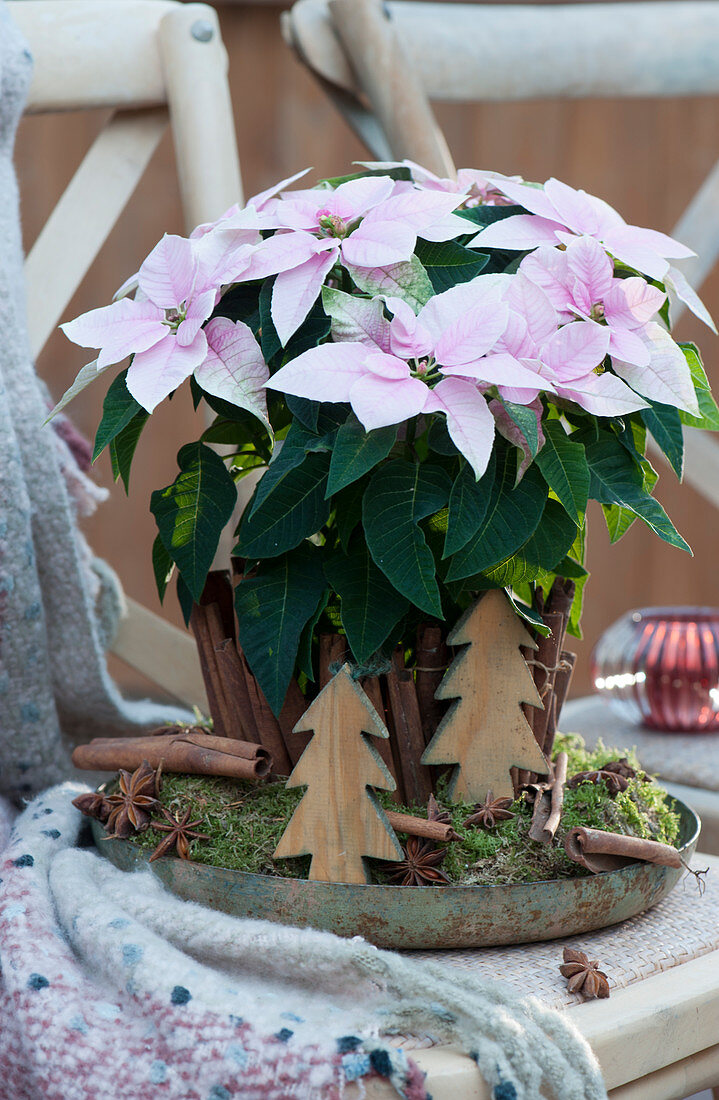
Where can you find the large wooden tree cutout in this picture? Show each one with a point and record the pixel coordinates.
(339, 821)
(485, 732)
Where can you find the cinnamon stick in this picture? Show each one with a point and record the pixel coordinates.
(562, 684)
(544, 669)
(557, 797)
(268, 727)
(420, 826)
(293, 708)
(431, 662)
(407, 724)
(218, 590)
(541, 812)
(548, 803)
(333, 649)
(372, 688)
(561, 597)
(237, 696)
(191, 754)
(599, 851)
(199, 625)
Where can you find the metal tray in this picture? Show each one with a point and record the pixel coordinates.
(426, 917)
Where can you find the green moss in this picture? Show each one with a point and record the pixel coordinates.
(245, 822)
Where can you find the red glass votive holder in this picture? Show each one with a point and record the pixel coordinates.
(659, 666)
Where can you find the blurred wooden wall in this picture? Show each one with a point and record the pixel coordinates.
(646, 158)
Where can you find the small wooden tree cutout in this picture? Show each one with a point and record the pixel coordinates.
(339, 820)
(485, 733)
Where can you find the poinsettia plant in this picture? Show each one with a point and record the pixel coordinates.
(435, 376)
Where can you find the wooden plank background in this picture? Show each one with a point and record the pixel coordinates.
(646, 158)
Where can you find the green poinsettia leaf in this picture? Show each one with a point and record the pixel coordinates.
(348, 511)
(269, 340)
(618, 520)
(192, 512)
(123, 446)
(118, 409)
(162, 566)
(563, 464)
(355, 452)
(289, 505)
(273, 608)
(448, 263)
(371, 606)
(185, 600)
(548, 545)
(525, 420)
(241, 303)
(616, 478)
(483, 214)
(304, 650)
(529, 615)
(512, 516)
(709, 413)
(304, 410)
(400, 494)
(468, 503)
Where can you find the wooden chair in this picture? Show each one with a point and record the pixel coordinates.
(657, 1038)
(154, 63)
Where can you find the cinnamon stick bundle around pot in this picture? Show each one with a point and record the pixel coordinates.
(184, 753)
(599, 851)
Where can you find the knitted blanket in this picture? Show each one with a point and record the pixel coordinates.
(111, 986)
(59, 607)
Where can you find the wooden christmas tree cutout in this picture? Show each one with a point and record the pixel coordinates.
(339, 821)
(485, 732)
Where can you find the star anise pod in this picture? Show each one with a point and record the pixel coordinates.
(613, 781)
(442, 817)
(131, 806)
(486, 814)
(621, 767)
(434, 813)
(179, 834)
(583, 975)
(94, 805)
(420, 866)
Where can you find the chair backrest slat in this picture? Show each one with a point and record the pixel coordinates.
(92, 54)
(698, 228)
(85, 214)
(521, 51)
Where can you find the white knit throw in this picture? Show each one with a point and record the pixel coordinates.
(77, 934)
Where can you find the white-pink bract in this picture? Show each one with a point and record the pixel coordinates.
(475, 186)
(580, 282)
(384, 370)
(548, 328)
(566, 357)
(363, 224)
(558, 213)
(162, 328)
